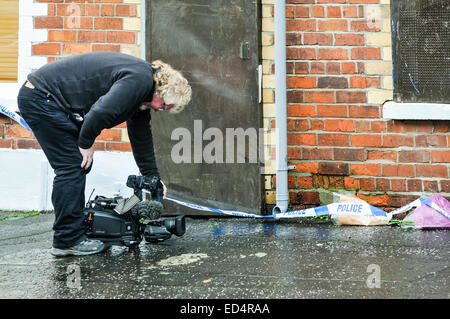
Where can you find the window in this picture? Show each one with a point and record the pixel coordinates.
(9, 30)
(421, 51)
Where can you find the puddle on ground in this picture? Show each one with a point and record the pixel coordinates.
(183, 259)
(259, 255)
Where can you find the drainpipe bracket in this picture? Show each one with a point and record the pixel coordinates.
(286, 168)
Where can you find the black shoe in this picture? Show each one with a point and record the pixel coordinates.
(86, 247)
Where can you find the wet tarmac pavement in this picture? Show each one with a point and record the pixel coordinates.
(233, 258)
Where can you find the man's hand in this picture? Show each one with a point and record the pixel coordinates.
(88, 155)
(164, 189)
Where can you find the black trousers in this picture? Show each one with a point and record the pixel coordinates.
(58, 136)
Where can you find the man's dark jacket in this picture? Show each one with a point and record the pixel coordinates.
(108, 88)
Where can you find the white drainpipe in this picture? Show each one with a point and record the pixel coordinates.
(282, 193)
(143, 15)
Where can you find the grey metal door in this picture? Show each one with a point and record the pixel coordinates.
(215, 45)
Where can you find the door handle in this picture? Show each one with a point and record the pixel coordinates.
(244, 51)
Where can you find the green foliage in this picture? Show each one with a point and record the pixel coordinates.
(17, 215)
(399, 222)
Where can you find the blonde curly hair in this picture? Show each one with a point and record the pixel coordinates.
(171, 86)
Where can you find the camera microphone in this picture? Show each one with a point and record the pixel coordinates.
(149, 209)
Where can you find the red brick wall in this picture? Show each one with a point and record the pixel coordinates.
(14, 136)
(82, 26)
(76, 27)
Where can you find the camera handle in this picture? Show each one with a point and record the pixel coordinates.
(156, 193)
(151, 184)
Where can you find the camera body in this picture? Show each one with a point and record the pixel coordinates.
(111, 228)
(125, 222)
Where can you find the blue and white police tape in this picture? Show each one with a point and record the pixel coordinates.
(417, 203)
(14, 116)
(216, 210)
(331, 209)
(360, 208)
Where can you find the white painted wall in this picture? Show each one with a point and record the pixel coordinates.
(26, 178)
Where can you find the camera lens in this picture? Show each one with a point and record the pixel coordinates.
(154, 234)
(176, 226)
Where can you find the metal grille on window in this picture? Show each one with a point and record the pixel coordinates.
(421, 42)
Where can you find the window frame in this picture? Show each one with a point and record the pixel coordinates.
(26, 61)
(404, 107)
